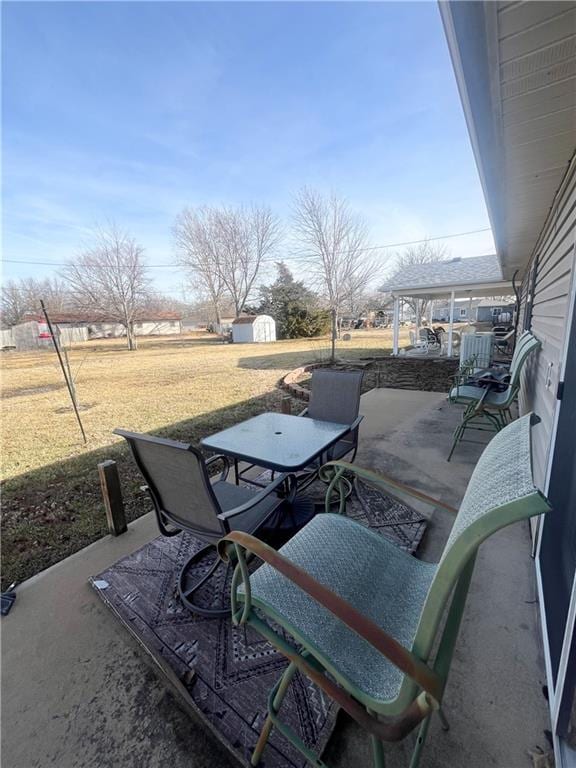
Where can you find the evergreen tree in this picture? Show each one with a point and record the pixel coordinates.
(293, 306)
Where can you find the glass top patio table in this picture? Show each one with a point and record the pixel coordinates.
(277, 441)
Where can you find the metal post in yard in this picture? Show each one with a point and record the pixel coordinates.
(66, 379)
(286, 405)
(69, 370)
(112, 495)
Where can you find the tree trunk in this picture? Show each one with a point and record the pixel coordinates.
(333, 340)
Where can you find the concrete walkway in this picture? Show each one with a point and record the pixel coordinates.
(77, 691)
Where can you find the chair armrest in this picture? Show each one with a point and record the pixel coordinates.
(224, 459)
(388, 646)
(261, 495)
(356, 423)
(388, 482)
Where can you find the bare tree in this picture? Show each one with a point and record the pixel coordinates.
(20, 297)
(334, 245)
(108, 280)
(425, 252)
(246, 237)
(225, 249)
(13, 305)
(196, 240)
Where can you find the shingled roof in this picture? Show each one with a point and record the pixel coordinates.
(478, 269)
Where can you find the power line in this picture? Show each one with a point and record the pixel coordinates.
(288, 256)
(406, 242)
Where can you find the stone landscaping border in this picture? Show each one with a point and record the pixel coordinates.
(289, 381)
(431, 375)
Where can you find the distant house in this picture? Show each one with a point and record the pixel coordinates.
(33, 333)
(464, 311)
(253, 328)
(495, 312)
(157, 325)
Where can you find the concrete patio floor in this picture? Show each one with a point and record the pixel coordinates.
(78, 691)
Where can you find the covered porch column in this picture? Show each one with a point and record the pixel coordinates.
(396, 327)
(451, 326)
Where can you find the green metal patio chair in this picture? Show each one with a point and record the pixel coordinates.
(468, 367)
(365, 617)
(465, 370)
(488, 410)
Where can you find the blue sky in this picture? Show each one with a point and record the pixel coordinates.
(130, 111)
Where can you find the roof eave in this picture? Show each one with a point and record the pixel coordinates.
(487, 288)
(474, 53)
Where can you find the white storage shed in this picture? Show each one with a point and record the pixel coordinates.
(253, 328)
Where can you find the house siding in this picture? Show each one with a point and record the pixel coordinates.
(554, 262)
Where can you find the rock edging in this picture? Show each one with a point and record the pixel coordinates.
(289, 381)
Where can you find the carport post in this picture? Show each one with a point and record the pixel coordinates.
(396, 329)
(451, 327)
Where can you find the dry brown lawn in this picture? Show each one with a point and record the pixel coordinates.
(185, 387)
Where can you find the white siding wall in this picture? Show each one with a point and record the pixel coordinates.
(243, 333)
(554, 274)
(157, 328)
(70, 334)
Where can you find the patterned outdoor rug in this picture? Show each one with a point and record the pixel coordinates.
(368, 505)
(226, 671)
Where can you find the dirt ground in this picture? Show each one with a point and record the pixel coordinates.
(182, 386)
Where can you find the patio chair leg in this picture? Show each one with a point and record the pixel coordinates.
(457, 437)
(378, 759)
(420, 739)
(186, 592)
(274, 703)
(443, 720)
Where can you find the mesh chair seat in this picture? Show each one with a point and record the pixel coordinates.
(465, 393)
(468, 393)
(363, 568)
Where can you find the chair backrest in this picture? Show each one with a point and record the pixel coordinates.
(528, 344)
(426, 334)
(501, 491)
(335, 395)
(178, 482)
